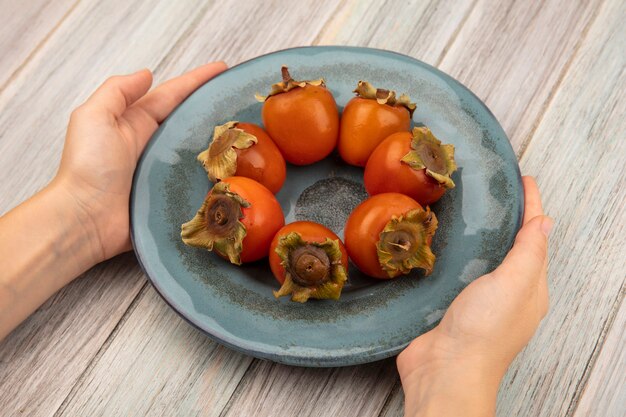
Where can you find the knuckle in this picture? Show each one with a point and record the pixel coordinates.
(112, 80)
(78, 112)
(537, 250)
(402, 360)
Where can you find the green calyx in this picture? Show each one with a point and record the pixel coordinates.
(428, 153)
(313, 270)
(404, 243)
(220, 158)
(217, 226)
(382, 96)
(288, 84)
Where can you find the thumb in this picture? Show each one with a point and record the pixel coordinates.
(117, 93)
(526, 262)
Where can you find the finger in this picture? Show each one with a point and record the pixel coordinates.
(160, 102)
(144, 117)
(533, 208)
(543, 292)
(526, 262)
(117, 93)
(532, 199)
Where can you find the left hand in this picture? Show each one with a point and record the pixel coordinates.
(105, 137)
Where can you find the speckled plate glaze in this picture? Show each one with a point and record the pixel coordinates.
(373, 319)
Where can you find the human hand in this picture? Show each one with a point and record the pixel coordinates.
(105, 137)
(465, 357)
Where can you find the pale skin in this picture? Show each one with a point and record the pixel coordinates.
(81, 218)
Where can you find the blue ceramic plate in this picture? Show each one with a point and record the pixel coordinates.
(373, 319)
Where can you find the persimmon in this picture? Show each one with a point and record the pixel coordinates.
(244, 150)
(389, 235)
(369, 118)
(302, 119)
(237, 220)
(418, 163)
(309, 261)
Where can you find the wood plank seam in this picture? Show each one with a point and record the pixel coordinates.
(526, 141)
(316, 39)
(131, 307)
(237, 389)
(129, 311)
(396, 387)
(143, 288)
(240, 386)
(455, 34)
(162, 63)
(581, 385)
(38, 47)
(186, 34)
(372, 33)
(330, 377)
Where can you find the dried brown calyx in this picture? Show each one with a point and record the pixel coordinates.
(288, 84)
(312, 270)
(428, 153)
(382, 96)
(217, 226)
(405, 243)
(220, 158)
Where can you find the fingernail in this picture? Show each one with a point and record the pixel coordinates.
(546, 225)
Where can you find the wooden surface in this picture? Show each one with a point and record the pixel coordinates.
(551, 71)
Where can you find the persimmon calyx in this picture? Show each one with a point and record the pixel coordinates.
(382, 96)
(288, 84)
(220, 158)
(404, 243)
(428, 153)
(312, 269)
(217, 224)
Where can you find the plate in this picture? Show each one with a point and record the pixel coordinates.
(373, 319)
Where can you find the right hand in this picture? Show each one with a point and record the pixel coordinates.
(495, 316)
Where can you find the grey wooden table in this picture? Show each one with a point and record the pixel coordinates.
(551, 71)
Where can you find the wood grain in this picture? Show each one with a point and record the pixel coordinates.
(596, 72)
(41, 361)
(587, 260)
(605, 392)
(96, 392)
(524, 58)
(490, 18)
(271, 389)
(24, 28)
(513, 53)
(260, 29)
(156, 364)
(376, 380)
(97, 40)
(422, 29)
(581, 133)
(196, 46)
(395, 402)
(66, 87)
